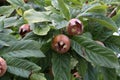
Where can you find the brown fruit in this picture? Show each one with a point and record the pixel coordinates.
(61, 43)
(24, 29)
(25, 1)
(100, 43)
(3, 66)
(75, 27)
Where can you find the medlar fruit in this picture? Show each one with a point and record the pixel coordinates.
(75, 27)
(3, 66)
(61, 43)
(24, 29)
(25, 1)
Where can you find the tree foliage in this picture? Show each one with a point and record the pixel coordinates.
(32, 58)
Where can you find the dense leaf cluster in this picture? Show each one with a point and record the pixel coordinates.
(31, 57)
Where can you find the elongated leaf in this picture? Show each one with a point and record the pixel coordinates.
(64, 9)
(99, 9)
(33, 16)
(103, 20)
(6, 37)
(41, 30)
(109, 74)
(98, 31)
(91, 73)
(113, 42)
(27, 48)
(6, 10)
(2, 22)
(61, 66)
(25, 53)
(93, 7)
(82, 67)
(16, 3)
(3, 43)
(97, 54)
(58, 21)
(109, 1)
(55, 4)
(11, 21)
(37, 76)
(21, 67)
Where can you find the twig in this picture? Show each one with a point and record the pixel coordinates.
(112, 13)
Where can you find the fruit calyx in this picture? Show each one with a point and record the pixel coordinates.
(24, 29)
(61, 43)
(75, 27)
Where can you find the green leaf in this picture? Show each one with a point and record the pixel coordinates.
(11, 21)
(41, 30)
(6, 37)
(6, 10)
(95, 53)
(38, 2)
(91, 73)
(3, 43)
(98, 31)
(55, 4)
(61, 66)
(82, 66)
(103, 20)
(37, 76)
(22, 49)
(109, 1)
(97, 7)
(77, 48)
(21, 67)
(58, 21)
(116, 18)
(33, 16)
(113, 42)
(16, 3)
(64, 9)
(2, 22)
(109, 74)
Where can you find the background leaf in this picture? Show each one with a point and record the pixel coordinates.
(97, 54)
(21, 67)
(116, 18)
(33, 16)
(103, 20)
(16, 3)
(64, 9)
(6, 10)
(37, 76)
(27, 48)
(107, 72)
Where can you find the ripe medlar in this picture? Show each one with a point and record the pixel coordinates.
(24, 29)
(25, 1)
(61, 43)
(75, 27)
(3, 66)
